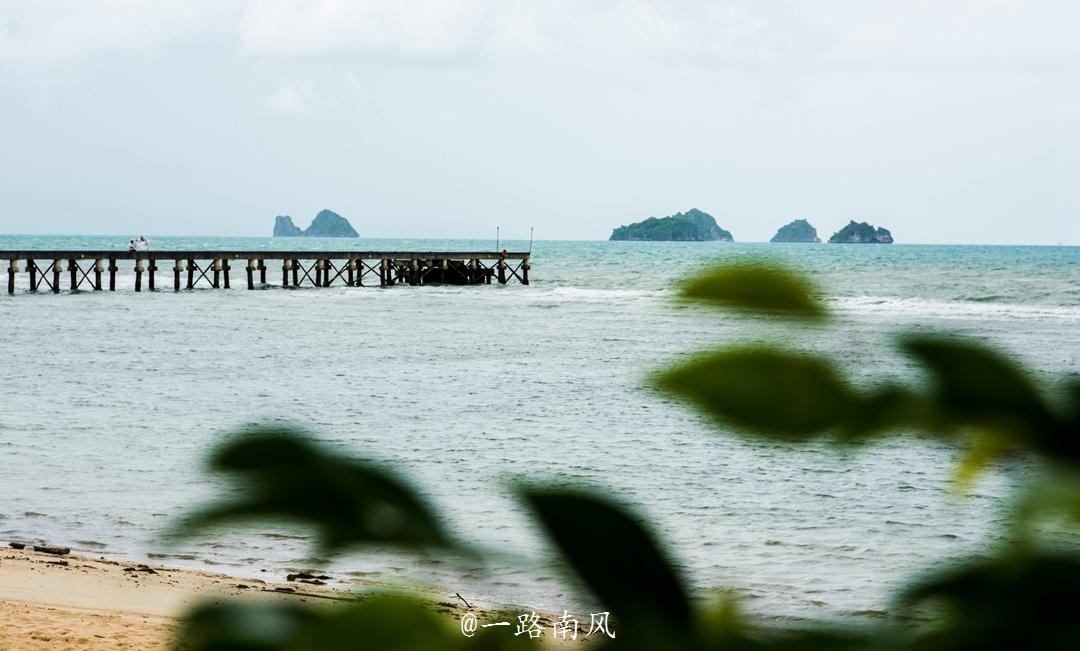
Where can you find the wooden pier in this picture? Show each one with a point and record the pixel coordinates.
(47, 270)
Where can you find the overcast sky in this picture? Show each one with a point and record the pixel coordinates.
(944, 121)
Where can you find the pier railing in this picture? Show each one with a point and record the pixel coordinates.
(46, 270)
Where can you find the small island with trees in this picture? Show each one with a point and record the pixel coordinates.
(799, 230)
(326, 224)
(861, 233)
(691, 226)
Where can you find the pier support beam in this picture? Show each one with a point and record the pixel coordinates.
(502, 271)
(251, 273)
(13, 268)
(56, 267)
(262, 271)
(178, 266)
(191, 273)
(382, 272)
(99, 266)
(31, 269)
(525, 264)
(73, 271)
(225, 269)
(151, 267)
(112, 274)
(350, 281)
(138, 274)
(295, 272)
(216, 264)
(285, 273)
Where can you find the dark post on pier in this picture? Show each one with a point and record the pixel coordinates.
(298, 268)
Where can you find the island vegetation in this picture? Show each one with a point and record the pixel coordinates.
(326, 224)
(799, 230)
(691, 226)
(861, 233)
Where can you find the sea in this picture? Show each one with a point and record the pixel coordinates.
(112, 402)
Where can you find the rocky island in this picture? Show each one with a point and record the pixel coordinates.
(799, 230)
(326, 224)
(691, 226)
(861, 233)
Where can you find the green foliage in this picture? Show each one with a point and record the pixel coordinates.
(1021, 596)
(768, 391)
(283, 476)
(382, 622)
(756, 287)
(1021, 601)
(617, 558)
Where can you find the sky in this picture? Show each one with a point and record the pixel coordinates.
(946, 122)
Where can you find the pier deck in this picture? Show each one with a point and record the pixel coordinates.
(192, 269)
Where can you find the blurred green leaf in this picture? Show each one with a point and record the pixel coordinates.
(384, 622)
(1055, 495)
(883, 409)
(1019, 601)
(975, 385)
(768, 391)
(247, 626)
(381, 622)
(618, 559)
(284, 476)
(757, 287)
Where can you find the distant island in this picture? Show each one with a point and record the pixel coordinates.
(691, 226)
(799, 230)
(326, 224)
(861, 233)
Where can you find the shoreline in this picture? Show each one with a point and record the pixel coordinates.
(75, 602)
(71, 601)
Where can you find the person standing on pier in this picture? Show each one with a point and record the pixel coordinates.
(131, 246)
(144, 244)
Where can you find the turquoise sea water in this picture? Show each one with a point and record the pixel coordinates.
(111, 401)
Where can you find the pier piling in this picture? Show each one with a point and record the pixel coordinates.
(57, 265)
(13, 269)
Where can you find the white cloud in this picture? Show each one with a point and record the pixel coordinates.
(734, 33)
(419, 29)
(57, 31)
(291, 97)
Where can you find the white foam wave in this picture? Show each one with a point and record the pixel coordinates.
(953, 309)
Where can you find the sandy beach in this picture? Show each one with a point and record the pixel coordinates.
(71, 602)
(77, 602)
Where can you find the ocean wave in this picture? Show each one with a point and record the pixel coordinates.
(591, 294)
(962, 309)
